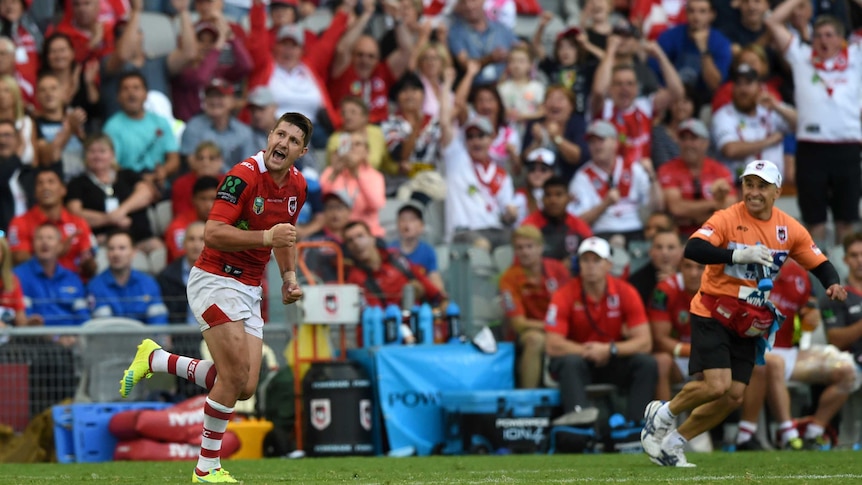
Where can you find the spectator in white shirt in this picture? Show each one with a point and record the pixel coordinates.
(608, 191)
(753, 125)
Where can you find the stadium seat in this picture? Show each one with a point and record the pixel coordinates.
(319, 20)
(101, 259)
(442, 251)
(435, 223)
(158, 260)
(141, 262)
(389, 218)
(160, 216)
(160, 38)
(481, 263)
(503, 257)
(104, 356)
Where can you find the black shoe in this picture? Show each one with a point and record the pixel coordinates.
(752, 444)
(819, 443)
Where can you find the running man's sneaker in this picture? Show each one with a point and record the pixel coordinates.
(654, 430)
(819, 443)
(672, 456)
(139, 368)
(219, 475)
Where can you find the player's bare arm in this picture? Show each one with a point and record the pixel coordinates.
(286, 259)
(225, 237)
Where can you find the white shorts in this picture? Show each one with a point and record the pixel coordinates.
(789, 356)
(218, 299)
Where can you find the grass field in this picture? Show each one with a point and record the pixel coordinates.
(784, 468)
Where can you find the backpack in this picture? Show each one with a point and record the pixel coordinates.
(279, 406)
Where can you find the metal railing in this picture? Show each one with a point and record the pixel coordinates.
(43, 366)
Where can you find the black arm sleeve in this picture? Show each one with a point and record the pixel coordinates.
(826, 273)
(703, 252)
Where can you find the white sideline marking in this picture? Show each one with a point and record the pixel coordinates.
(713, 478)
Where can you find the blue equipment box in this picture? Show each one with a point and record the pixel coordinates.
(81, 430)
(507, 421)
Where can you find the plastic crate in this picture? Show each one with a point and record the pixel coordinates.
(81, 430)
(498, 421)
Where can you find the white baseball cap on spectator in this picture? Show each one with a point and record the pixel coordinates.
(595, 245)
(261, 96)
(602, 129)
(693, 126)
(292, 32)
(543, 156)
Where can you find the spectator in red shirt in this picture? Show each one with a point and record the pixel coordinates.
(597, 331)
(296, 74)
(207, 161)
(92, 38)
(562, 232)
(357, 69)
(527, 287)
(695, 185)
(77, 251)
(24, 35)
(203, 196)
(381, 272)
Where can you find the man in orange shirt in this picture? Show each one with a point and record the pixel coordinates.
(597, 331)
(527, 287)
(742, 246)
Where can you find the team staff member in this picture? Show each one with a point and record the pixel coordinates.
(527, 287)
(729, 313)
(597, 331)
(827, 79)
(254, 213)
(670, 322)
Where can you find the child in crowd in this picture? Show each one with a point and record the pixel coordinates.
(522, 95)
(205, 161)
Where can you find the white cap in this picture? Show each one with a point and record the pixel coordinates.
(542, 155)
(595, 245)
(765, 170)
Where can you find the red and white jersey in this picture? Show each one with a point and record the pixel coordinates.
(590, 185)
(634, 124)
(731, 125)
(828, 93)
(477, 193)
(656, 16)
(249, 199)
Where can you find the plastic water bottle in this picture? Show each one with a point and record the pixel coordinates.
(392, 325)
(764, 283)
(367, 327)
(413, 321)
(453, 318)
(426, 324)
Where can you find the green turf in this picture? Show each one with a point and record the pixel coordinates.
(836, 467)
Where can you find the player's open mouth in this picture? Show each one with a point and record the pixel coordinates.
(279, 155)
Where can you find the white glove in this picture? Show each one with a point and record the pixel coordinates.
(753, 254)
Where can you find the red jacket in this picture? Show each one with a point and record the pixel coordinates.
(318, 59)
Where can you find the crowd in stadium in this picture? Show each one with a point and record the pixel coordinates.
(527, 124)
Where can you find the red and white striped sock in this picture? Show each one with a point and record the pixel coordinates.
(216, 417)
(201, 372)
(788, 431)
(746, 431)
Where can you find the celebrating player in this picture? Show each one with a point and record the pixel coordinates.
(254, 213)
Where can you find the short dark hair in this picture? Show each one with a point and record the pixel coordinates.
(204, 183)
(555, 181)
(354, 223)
(355, 100)
(300, 121)
(119, 232)
(835, 22)
(668, 230)
(56, 172)
(133, 74)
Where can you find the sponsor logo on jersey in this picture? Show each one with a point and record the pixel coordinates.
(257, 207)
(231, 189)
